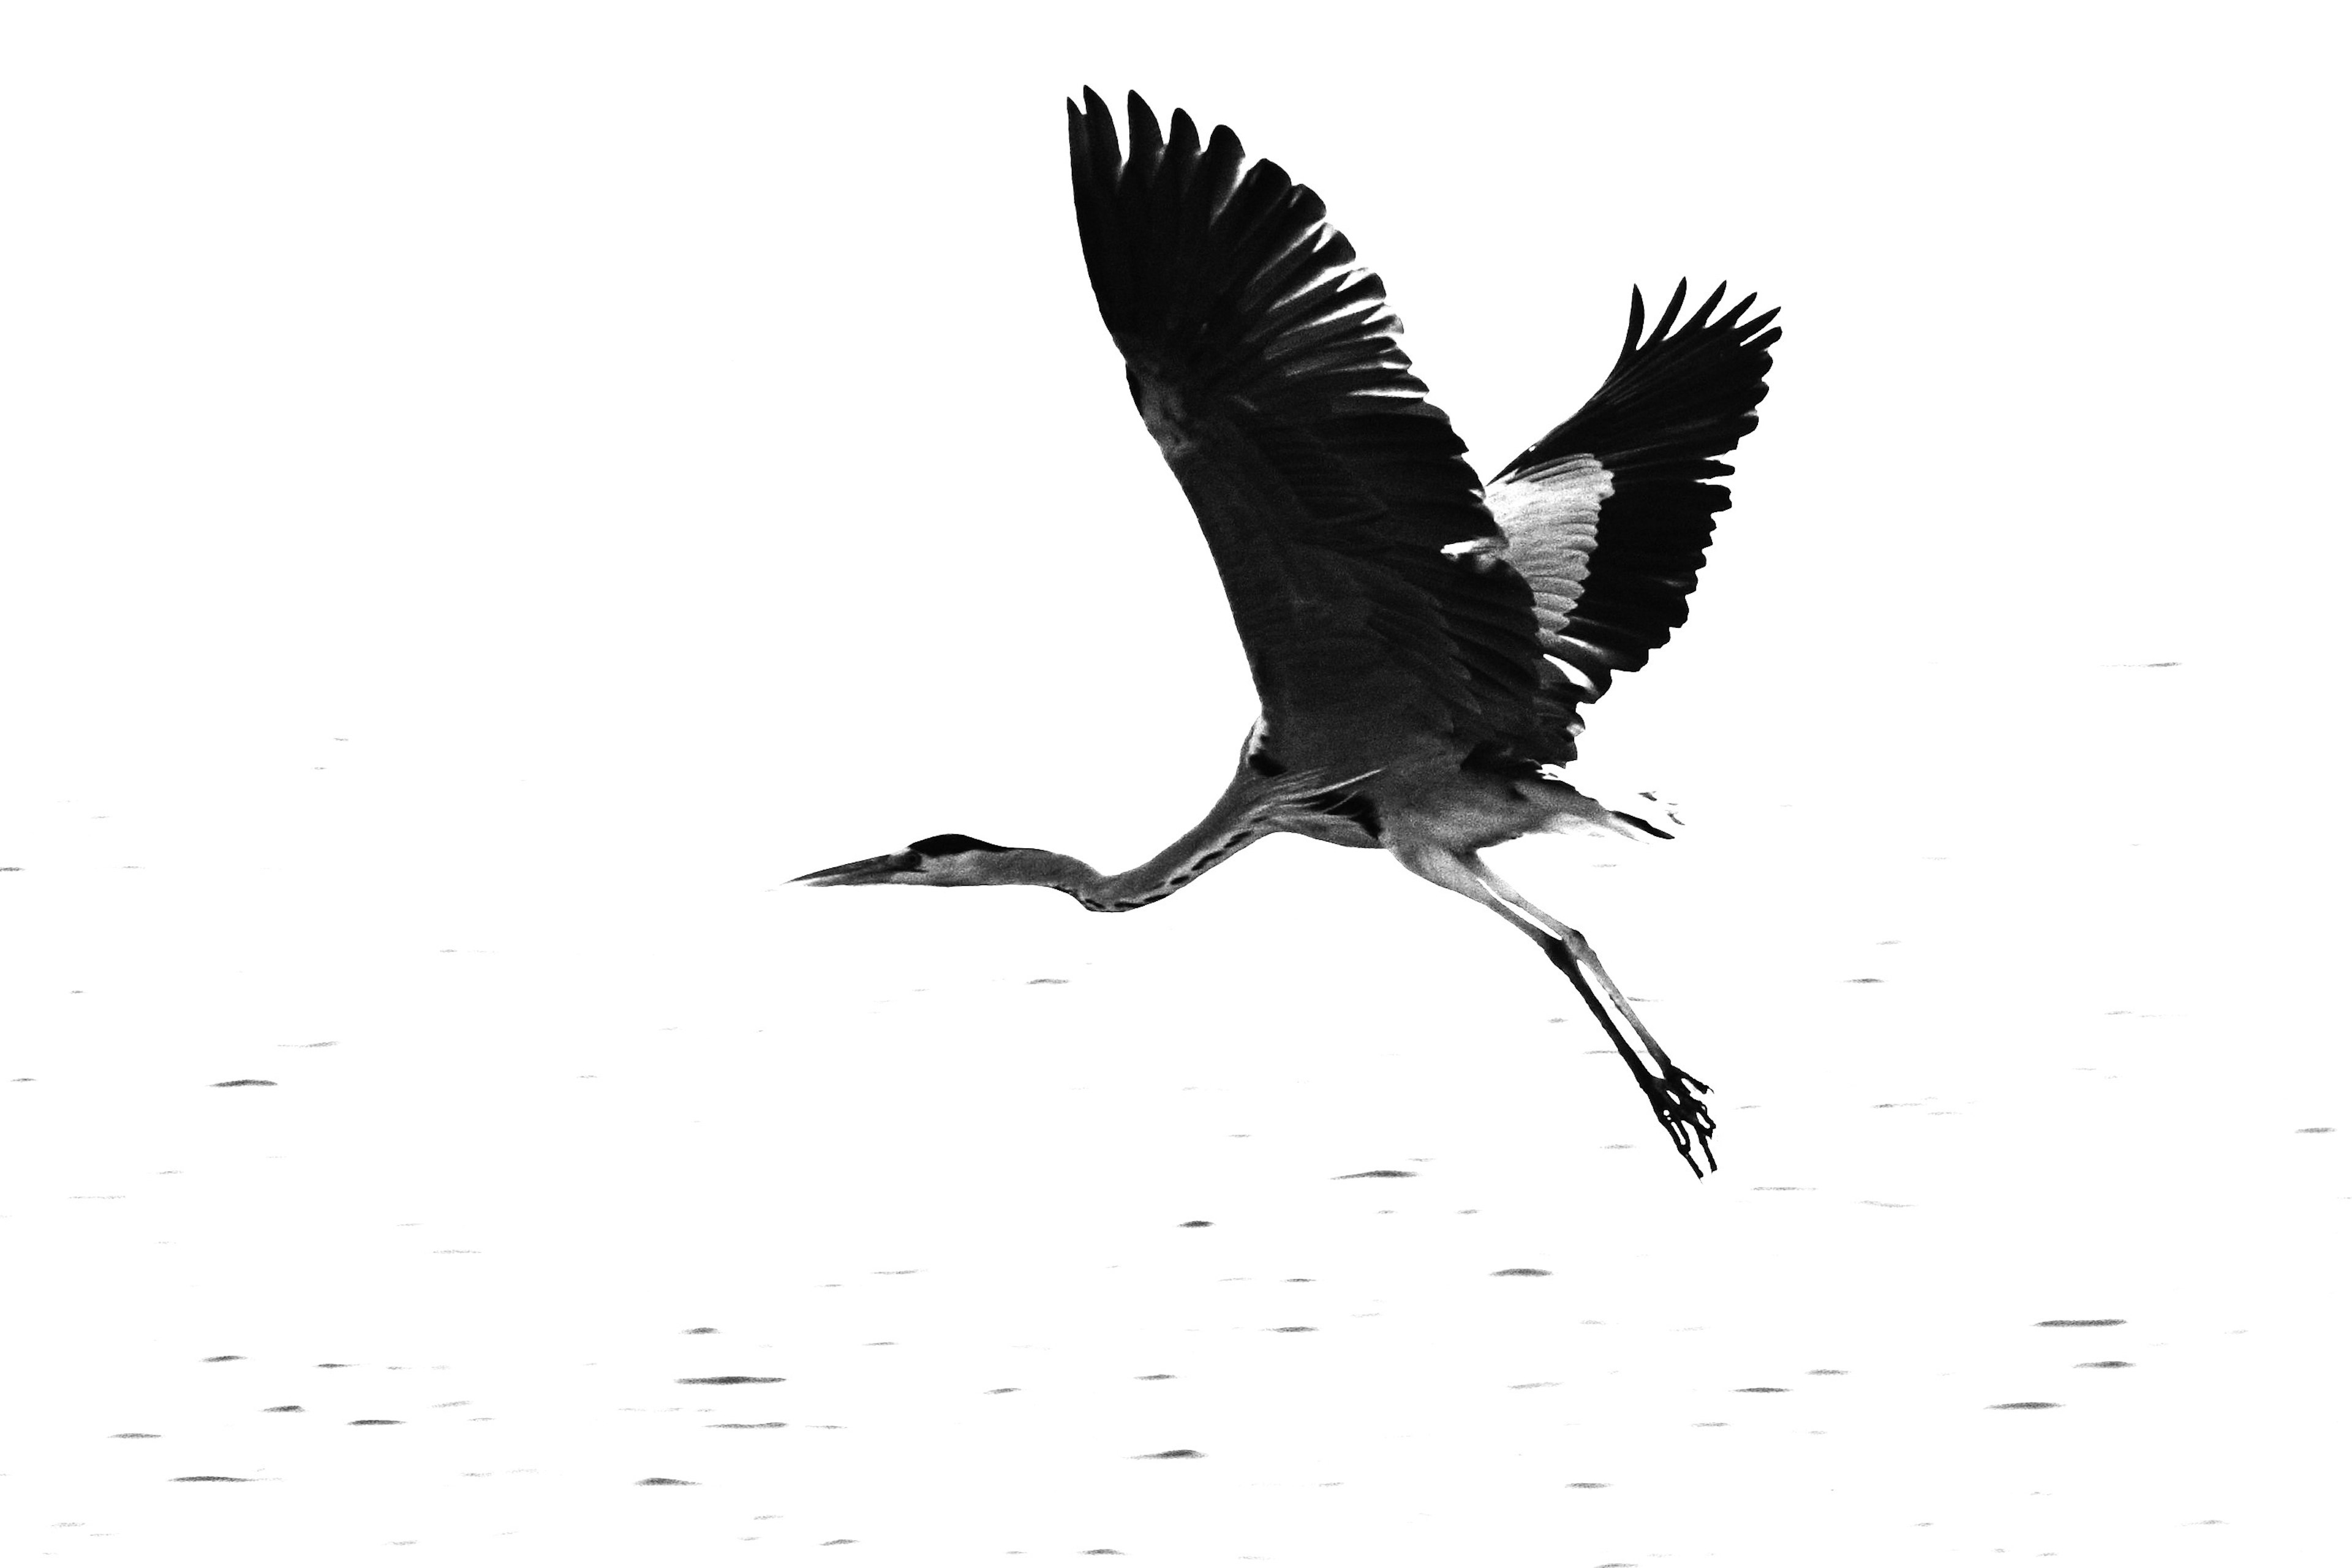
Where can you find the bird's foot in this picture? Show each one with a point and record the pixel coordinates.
(1674, 1098)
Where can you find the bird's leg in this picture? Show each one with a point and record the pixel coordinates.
(1673, 1094)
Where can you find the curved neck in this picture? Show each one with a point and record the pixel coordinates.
(1252, 806)
(1231, 825)
(1235, 820)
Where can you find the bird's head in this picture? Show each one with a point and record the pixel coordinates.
(943, 861)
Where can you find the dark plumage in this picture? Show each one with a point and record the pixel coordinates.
(1671, 406)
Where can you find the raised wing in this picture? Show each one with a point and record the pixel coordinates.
(1364, 574)
(1608, 516)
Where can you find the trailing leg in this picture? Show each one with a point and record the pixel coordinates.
(1673, 1094)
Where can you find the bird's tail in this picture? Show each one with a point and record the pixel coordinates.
(1647, 816)
(1645, 823)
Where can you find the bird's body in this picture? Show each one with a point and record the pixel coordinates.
(1421, 646)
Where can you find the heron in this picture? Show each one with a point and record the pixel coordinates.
(1423, 646)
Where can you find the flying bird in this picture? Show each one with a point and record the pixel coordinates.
(1423, 646)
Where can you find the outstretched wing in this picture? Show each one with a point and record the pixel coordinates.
(1608, 517)
(1365, 576)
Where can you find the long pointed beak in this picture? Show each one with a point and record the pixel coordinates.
(861, 873)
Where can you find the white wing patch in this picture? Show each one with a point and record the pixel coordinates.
(1551, 518)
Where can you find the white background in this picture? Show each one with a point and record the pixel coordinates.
(492, 490)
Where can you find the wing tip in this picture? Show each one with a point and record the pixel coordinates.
(1674, 309)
